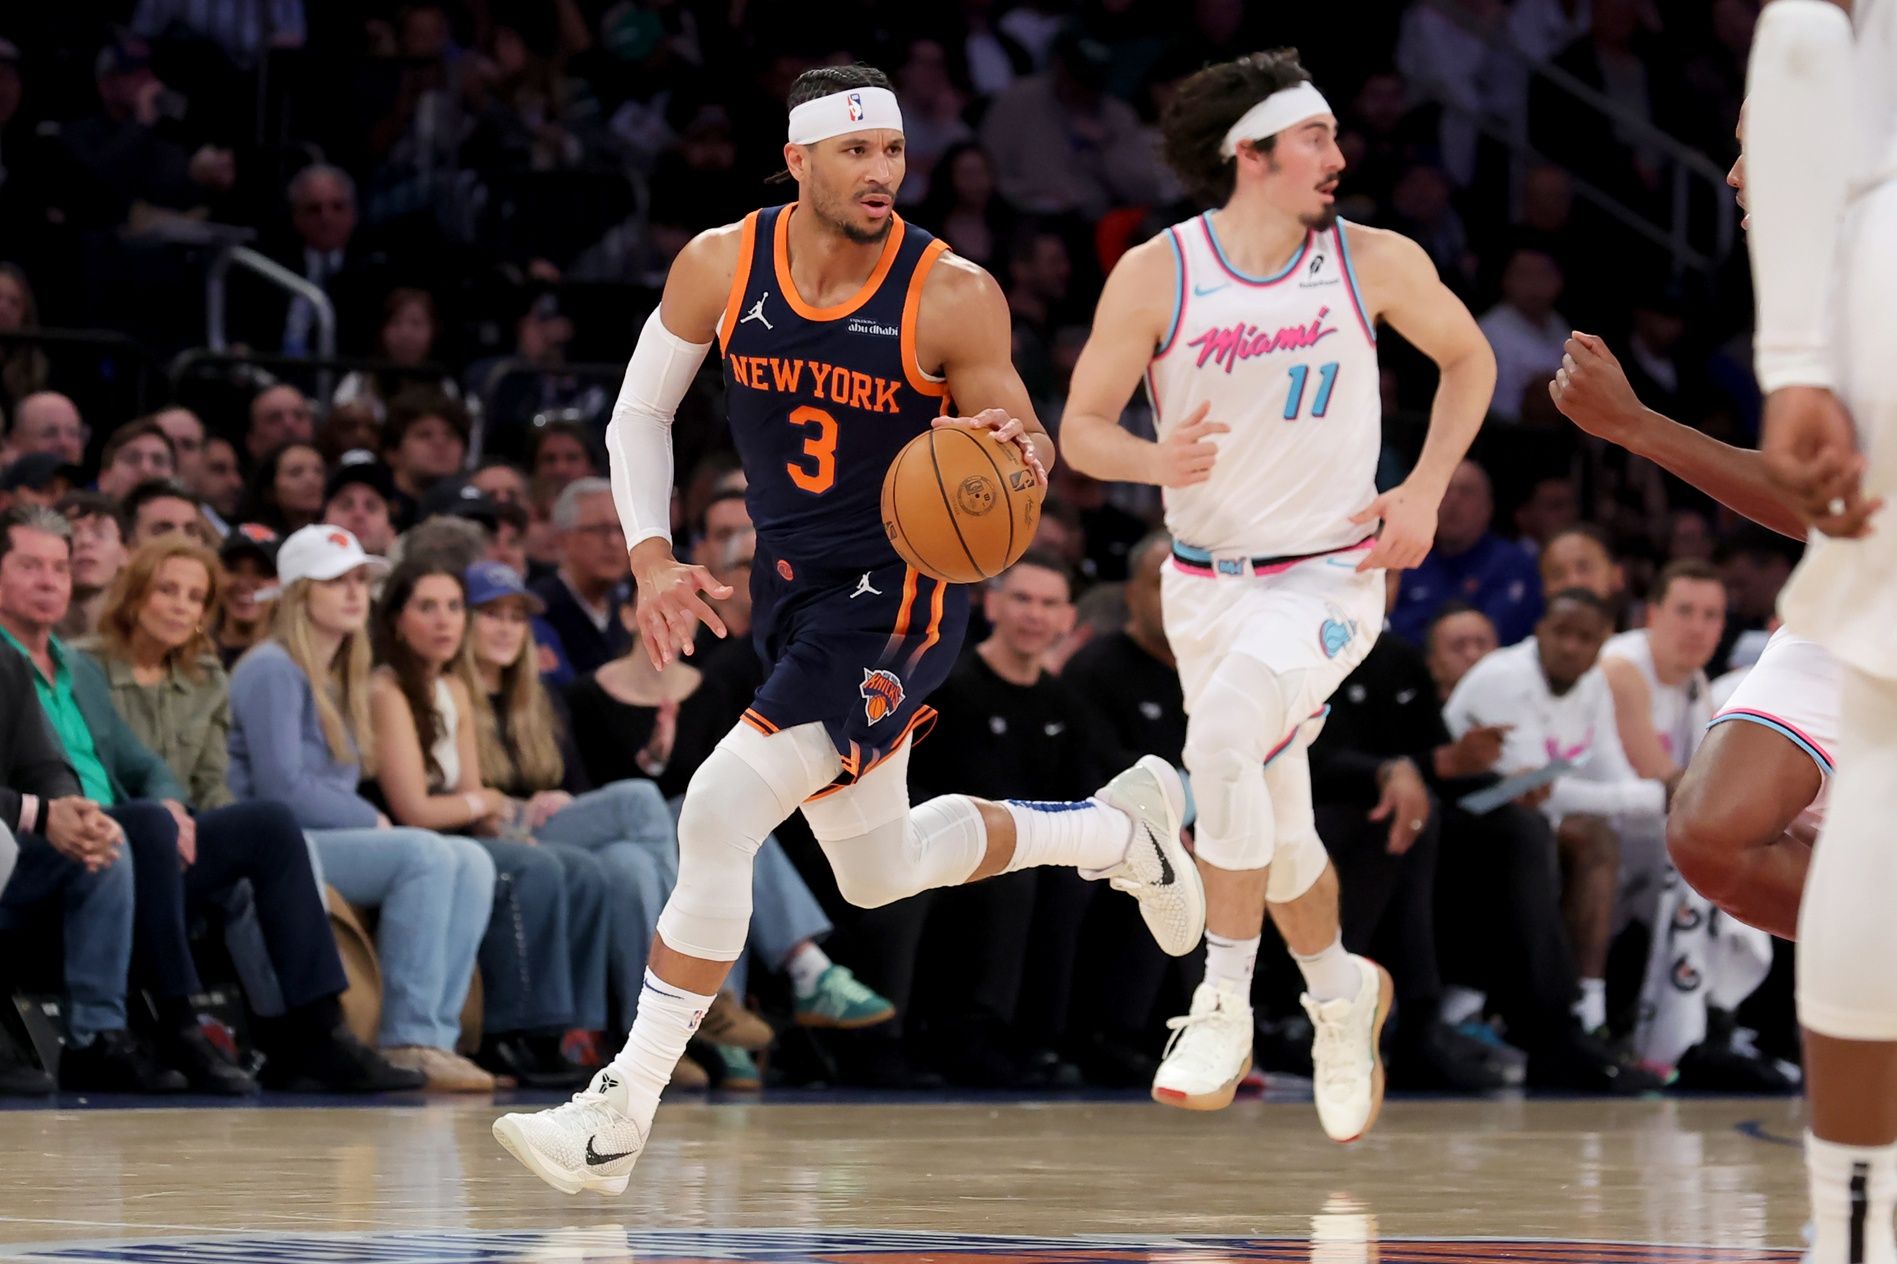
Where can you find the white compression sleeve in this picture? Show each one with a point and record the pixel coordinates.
(639, 437)
(1798, 158)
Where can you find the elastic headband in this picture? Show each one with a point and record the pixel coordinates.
(840, 113)
(1282, 109)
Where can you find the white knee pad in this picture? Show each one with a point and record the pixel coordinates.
(881, 850)
(1847, 939)
(1239, 717)
(1300, 857)
(743, 791)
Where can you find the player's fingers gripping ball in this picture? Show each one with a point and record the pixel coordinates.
(961, 505)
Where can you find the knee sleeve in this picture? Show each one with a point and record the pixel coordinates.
(1847, 939)
(743, 791)
(881, 850)
(1240, 716)
(1299, 857)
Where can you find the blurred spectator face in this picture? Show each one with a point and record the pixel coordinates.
(1689, 536)
(360, 510)
(924, 77)
(1030, 608)
(244, 578)
(186, 432)
(221, 479)
(731, 566)
(972, 177)
(1553, 506)
(1457, 643)
(707, 144)
(409, 333)
(340, 606)
(593, 550)
(731, 481)
(143, 458)
(278, 416)
(1753, 580)
(1570, 636)
(499, 631)
(163, 515)
(507, 544)
(724, 520)
(1422, 195)
(13, 296)
(1688, 620)
(503, 484)
(299, 484)
(323, 212)
(1379, 105)
(1043, 268)
(431, 450)
(97, 553)
(1575, 560)
(49, 422)
(175, 605)
(434, 620)
(1547, 199)
(1531, 284)
(1143, 616)
(349, 427)
(1467, 509)
(1055, 535)
(542, 334)
(36, 579)
(562, 458)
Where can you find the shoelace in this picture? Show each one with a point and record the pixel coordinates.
(1186, 1022)
(1336, 1053)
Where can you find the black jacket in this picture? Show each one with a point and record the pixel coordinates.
(1384, 710)
(32, 760)
(587, 648)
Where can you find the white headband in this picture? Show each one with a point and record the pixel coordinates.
(840, 113)
(1280, 110)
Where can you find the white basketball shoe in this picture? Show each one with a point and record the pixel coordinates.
(588, 1142)
(1209, 1053)
(1157, 870)
(1347, 1074)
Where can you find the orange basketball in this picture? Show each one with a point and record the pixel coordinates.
(960, 507)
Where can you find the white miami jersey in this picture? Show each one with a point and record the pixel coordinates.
(1289, 362)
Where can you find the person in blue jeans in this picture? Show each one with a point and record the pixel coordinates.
(544, 959)
(301, 734)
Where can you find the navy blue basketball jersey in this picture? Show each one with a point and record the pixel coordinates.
(821, 399)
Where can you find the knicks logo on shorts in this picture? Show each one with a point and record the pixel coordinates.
(881, 692)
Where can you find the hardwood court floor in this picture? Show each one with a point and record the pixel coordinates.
(1255, 1182)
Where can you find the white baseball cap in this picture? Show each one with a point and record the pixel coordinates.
(323, 552)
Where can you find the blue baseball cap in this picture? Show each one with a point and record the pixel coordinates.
(491, 581)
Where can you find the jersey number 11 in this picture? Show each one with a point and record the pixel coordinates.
(1294, 400)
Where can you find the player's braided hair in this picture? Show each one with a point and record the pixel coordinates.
(825, 80)
(1204, 108)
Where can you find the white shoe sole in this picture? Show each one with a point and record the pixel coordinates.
(1386, 995)
(513, 1139)
(1186, 881)
(1218, 1099)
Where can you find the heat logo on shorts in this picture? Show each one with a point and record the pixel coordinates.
(881, 692)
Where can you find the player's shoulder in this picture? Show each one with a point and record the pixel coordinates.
(716, 250)
(956, 286)
(1374, 249)
(1154, 261)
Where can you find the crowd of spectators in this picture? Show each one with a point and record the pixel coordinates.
(192, 575)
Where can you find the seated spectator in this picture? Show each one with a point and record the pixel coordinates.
(1552, 506)
(279, 415)
(221, 480)
(406, 339)
(424, 442)
(1459, 637)
(248, 558)
(134, 453)
(98, 552)
(360, 498)
(41, 479)
(167, 684)
(286, 492)
(348, 428)
(301, 733)
(23, 367)
(726, 516)
(502, 481)
(161, 507)
(186, 431)
(1581, 557)
(68, 857)
(563, 451)
(1525, 330)
(1470, 564)
(544, 959)
(47, 421)
(584, 597)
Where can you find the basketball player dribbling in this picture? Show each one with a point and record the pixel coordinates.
(845, 333)
(1254, 328)
(1821, 157)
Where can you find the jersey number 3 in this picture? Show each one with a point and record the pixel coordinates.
(1294, 399)
(819, 475)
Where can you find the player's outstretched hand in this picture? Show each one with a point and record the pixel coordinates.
(1007, 428)
(1591, 390)
(1409, 528)
(1187, 454)
(671, 605)
(1811, 455)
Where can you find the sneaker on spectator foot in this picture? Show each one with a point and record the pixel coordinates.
(738, 1070)
(588, 1142)
(1347, 1064)
(1157, 871)
(840, 1000)
(338, 1064)
(728, 1022)
(1209, 1053)
(18, 1077)
(442, 1071)
(687, 1074)
(115, 1063)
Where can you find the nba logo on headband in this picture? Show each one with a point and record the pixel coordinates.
(855, 101)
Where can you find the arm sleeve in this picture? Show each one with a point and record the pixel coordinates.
(1798, 164)
(639, 437)
(268, 702)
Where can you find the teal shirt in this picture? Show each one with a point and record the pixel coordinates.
(62, 708)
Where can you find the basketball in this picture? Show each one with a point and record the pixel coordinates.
(960, 507)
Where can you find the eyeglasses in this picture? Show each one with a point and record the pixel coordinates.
(602, 530)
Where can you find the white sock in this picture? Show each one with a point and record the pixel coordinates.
(1853, 1189)
(1460, 1004)
(1591, 1009)
(1330, 975)
(1229, 962)
(805, 967)
(1085, 834)
(661, 1028)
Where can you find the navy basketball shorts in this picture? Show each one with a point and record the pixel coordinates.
(856, 651)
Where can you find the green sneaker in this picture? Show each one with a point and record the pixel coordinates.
(842, 1002)
(739, 1073)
